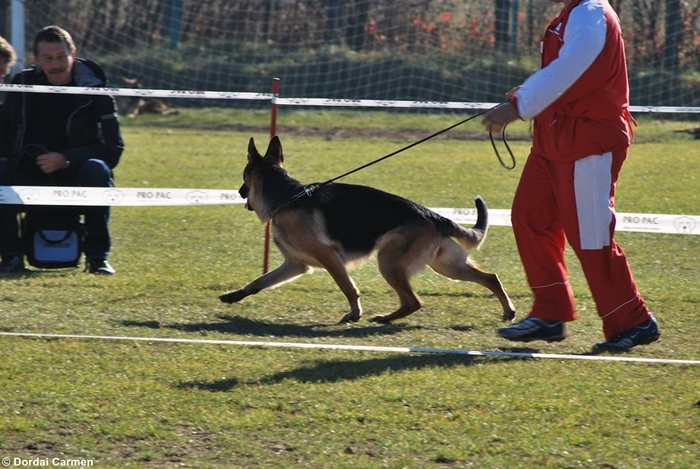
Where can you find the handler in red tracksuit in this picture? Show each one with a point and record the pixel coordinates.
(579, 102)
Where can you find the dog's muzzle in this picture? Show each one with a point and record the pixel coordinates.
(243, 192)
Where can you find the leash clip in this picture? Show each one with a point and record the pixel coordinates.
(309, 190)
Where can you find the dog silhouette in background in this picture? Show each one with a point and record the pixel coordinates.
(132, 106)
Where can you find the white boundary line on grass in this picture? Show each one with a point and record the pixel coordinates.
(365, 348)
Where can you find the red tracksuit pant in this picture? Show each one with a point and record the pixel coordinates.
(574, 201)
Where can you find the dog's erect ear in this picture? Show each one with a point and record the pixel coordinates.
(274, 150)
(253, 154)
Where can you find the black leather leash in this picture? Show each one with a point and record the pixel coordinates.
(311, 188)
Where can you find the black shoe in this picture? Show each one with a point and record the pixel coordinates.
(530, 329)
(12, 264)
(645, 333)
(100, 267)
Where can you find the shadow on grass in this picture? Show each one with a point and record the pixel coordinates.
(220, 385)
(24, 274)
(348, 370)
(484, 294)
(146, 324)
(329, 371)
(244, 326)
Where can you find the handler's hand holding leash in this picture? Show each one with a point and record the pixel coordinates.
(496, 119)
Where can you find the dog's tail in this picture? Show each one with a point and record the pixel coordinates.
(469, 238)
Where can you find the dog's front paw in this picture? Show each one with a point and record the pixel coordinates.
(351, 317)
(232, 296)
(381, 319)
(509, 316)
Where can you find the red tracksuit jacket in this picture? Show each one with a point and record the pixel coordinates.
(579, 106)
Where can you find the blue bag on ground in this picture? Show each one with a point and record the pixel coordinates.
(53, 237)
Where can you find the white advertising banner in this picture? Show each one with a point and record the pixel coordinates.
(130, 196)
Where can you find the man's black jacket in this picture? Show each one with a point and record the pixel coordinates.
(92, 130)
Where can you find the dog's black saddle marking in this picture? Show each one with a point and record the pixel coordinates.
(356, 216)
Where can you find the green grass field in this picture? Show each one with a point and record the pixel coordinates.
(153, 404)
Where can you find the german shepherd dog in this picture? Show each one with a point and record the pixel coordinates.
(341, 225)
(132, 107)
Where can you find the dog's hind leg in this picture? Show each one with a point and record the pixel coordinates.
(397, 263)
(453, 262)
(286, 272)
(410, 302)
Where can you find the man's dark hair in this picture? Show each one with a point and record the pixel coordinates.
(54, 34)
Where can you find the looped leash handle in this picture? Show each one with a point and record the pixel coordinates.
(498, 155)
